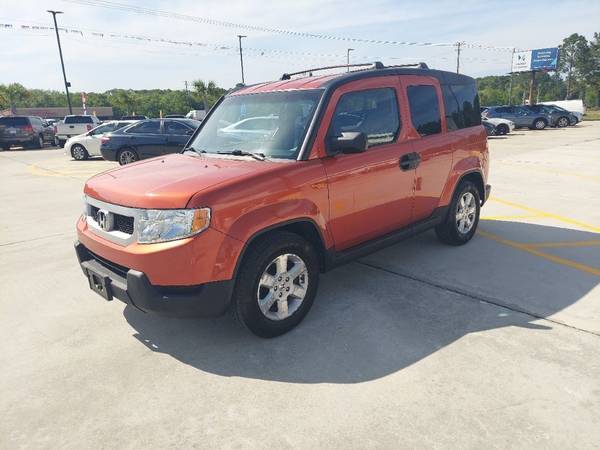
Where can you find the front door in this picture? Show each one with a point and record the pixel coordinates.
(370, 193)
(177, 134)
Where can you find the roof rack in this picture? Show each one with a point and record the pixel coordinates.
(373, 65)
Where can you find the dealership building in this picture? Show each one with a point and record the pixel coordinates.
(102, 112)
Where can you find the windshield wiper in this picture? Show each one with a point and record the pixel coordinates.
(256, 155)
(192, 149)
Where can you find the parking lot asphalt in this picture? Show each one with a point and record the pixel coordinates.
(495, 344)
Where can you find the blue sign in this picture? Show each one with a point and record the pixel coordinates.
(544, 59)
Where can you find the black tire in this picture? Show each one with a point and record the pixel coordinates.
(539, 124)
(502, 129)
(562, 122)
(448, 231)
(6, 147)
(257, 260)
(56, 142)
(37, 142)
(79, 152)
(574, 121)
(127, 156)
(61, 143)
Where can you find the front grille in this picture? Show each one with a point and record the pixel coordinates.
(114, 267)
(122, 223)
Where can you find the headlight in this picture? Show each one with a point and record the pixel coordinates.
(160, 225)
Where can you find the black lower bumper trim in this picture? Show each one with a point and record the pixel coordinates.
(134, 288)
(488, 190)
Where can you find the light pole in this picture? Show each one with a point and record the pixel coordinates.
(62, 63)
(240, 36)
(348, 59)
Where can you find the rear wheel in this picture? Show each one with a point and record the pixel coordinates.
(56, 142)
(6, 147)
(37, 142)
(463, 216)
(79, 152)
(127, 156)
(562, 122)
(276, 284)
(61, 143)
(539, 124)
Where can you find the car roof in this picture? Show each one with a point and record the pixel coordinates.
(333, 80)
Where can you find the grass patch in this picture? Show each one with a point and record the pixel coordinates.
(592, 114)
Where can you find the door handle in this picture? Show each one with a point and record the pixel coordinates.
(409, 161)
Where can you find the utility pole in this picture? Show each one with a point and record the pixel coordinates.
(510, 86)
(186, 87)
(348, 58)
(62, 63)
(458, 44)
(241, 55)
(531, 87)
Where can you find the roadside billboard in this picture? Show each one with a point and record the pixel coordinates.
(533, 60)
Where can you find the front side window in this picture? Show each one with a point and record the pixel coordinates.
(424, 109)
(272, 123)
(373, 112)
(150, 127)
(173, 127)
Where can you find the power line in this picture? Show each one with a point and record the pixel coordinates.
(220, 23)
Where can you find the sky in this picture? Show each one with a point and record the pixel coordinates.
(208, 51)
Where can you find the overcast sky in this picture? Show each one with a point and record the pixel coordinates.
(96, 63)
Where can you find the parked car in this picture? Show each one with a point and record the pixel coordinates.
(25, 131)
(575, 107)
(135, 117)
(74, 125)
(359, 161)
(147, 138)
(501, 126)
(85, 145)
(521, 116)
(174, 116)
(490, 128)
(559, 118)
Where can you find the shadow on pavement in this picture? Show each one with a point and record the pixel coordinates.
(367, 323)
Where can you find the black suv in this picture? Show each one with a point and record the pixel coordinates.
(25, 131)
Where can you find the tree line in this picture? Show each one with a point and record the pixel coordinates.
(577, 77)
(149, 102)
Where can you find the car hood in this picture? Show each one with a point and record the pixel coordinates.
(169, 181)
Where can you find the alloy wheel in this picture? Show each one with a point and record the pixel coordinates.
(127, 157)
(282, 287)
(465, 213)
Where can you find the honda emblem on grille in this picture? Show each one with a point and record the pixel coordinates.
(104, 219)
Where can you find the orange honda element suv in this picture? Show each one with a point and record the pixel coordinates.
(284, 180)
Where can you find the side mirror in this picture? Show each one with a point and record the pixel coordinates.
(347, 142)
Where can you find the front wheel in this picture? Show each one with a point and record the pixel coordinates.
(463, 216)
(562, 122)
(127, 156)
(276, 285)
(79, 152)
(502, 129)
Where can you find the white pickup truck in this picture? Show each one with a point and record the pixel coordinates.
(74, 126)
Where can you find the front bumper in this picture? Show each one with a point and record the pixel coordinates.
(134, 288)
(488, 190)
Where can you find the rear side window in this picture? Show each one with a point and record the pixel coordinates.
(14, 121)
(78, 119)
(424, 109)
(172, 127)
(150, 127)
(373, 112)
(462, 106)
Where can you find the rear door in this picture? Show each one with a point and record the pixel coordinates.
(430, 142)
(369, 193)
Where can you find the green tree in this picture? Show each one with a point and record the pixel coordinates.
(591, 68)
(573, 51)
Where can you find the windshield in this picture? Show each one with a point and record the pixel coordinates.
(272, 123)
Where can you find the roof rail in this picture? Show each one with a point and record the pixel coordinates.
(419, 65)
(374, 65)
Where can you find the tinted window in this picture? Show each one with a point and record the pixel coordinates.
(503, 110)
(106, 128)
(150, 127)
(172, 127)
(78, 119)
(453, 115)
(14, 121)
(424, 109)
(36, 121)
(468, 104)
(373, 112)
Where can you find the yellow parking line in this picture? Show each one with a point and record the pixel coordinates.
(541, 213)
(516, 216)
(555, 259)
(563, 244)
